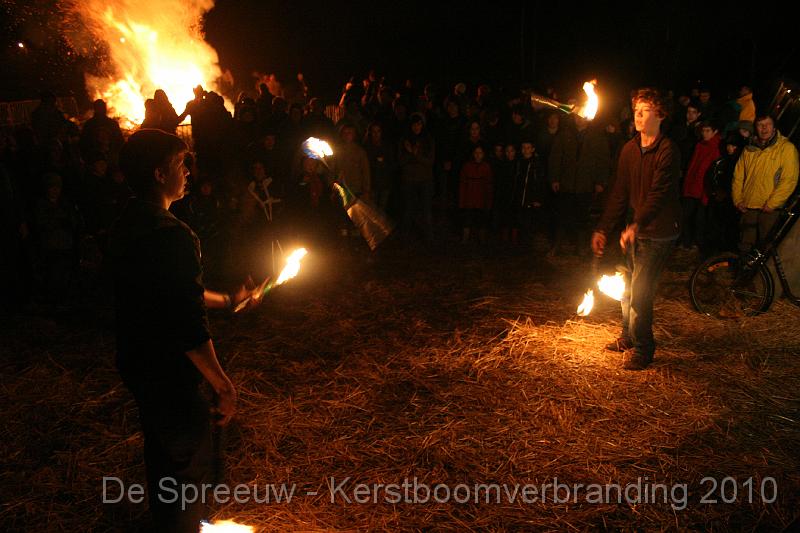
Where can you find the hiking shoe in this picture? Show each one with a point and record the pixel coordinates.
(636, 361)
(619, 345)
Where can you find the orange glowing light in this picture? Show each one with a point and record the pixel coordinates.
(612, 286)
(292, 267)
(149, 48)
(317, 148)
(586, 305)
(589, 109)
(225, 526)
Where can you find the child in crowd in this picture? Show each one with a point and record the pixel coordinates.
(475, 195)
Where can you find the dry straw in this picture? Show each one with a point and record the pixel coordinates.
(481, 376)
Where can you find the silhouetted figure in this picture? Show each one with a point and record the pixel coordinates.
(101, 134)
(417, 153)
(722, 229)
(382, 158)
(315, 123)
(47, 120)
(151, 118)
(14, 270)
(164, 348)
(264, 104)
(167, 119)
(578, 168)
(245, 120)
(57, 224)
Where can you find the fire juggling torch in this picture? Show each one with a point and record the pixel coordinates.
(225, 526)
(289, 271)
(373, 225)
(611, 286)
(587, 110)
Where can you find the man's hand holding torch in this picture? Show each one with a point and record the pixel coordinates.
(598, 243)
(242, 298)
(628, 236)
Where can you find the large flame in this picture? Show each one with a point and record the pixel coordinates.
(225, 526)
(292, 266)
(586, 305)
(316, 148)
(589, 109)
(151, 45)
(612, 286)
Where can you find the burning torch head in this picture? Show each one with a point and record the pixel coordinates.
(317, 149)
(587, 110)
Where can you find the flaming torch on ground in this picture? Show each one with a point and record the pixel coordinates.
(373, 225)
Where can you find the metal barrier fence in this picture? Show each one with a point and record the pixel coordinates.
(334, 112)
(184, 131)
(20, 111)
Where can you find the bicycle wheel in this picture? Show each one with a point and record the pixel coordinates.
(717, 289)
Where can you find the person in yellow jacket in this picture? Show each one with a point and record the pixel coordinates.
(748, 107)
(763, 179)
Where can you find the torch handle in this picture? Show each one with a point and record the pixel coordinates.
(549, 102)
(261, 290)
(267, 287)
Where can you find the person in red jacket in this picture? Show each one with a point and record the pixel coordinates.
(475, 194)
(694, 196)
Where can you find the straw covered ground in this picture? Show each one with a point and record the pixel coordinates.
(456, 371)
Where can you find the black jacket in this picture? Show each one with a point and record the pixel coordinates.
(159, 303)
(579, 160)
(529, 184)
(647, 182)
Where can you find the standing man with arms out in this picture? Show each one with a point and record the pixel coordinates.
(164, 348)
(764, 178)
(647, 182)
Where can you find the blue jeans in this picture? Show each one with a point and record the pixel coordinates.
(645, 262)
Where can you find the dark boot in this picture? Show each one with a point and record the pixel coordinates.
(636, 361)
(619, 344)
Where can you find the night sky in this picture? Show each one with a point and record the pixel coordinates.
(667, 44)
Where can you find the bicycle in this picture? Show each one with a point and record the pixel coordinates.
(731, 285)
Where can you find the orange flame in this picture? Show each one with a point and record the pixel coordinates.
(589, 109)
(612, 286)
(317, 148)
(225, 526)
(586, 305)
(292, 267)
(150, 46)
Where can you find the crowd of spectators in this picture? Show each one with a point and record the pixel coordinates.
(460, 166)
